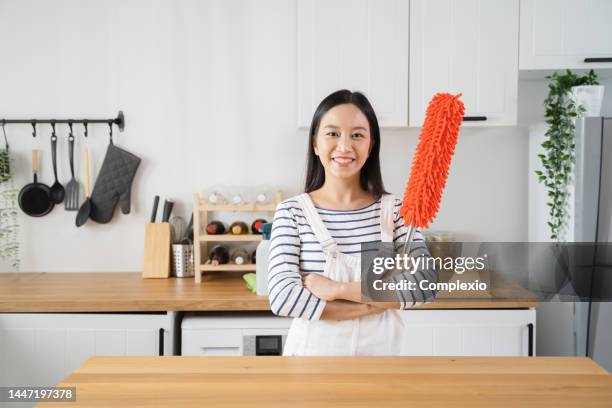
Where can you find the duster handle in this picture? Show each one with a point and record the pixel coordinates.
(408, 243)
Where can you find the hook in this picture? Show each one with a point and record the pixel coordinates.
(85, 124)
(110, 126)
(4, 132)
(33, 128)
(53, 135)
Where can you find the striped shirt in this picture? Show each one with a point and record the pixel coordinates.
(295, 250)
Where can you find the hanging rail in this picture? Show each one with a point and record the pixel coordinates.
(119, 121)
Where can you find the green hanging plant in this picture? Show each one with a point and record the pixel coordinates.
(559, 158)
(9, 228)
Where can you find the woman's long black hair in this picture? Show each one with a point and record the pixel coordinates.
(370, 178)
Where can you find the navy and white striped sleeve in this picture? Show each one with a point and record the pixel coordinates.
(286, 293)
(412, 298)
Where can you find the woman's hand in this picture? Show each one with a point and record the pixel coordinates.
(320, 286)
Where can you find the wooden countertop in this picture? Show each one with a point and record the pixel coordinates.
(340, 381)
(128, 292)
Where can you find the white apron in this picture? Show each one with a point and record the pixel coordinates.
(378, 334)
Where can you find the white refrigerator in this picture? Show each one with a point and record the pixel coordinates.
(575, 328)
(592, 222)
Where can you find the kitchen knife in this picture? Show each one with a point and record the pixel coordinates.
(154, 213)
(189, 231)
(168, 204)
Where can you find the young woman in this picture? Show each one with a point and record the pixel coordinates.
(315, 270)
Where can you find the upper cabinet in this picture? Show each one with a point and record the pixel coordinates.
(468, 47)
(559, 34)
(361, 45)
(458, 46)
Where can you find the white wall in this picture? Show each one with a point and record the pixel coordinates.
(209, 93)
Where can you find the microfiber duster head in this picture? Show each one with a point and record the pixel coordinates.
(432, 160)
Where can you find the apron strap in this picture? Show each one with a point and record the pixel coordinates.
(387, 208)
(316, 223)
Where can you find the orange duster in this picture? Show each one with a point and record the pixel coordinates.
(431, 161)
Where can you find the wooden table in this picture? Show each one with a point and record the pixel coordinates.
(340, 381)
(60, 292)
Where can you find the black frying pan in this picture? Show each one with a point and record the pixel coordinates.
(34, 198)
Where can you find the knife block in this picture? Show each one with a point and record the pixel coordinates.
(157, 250)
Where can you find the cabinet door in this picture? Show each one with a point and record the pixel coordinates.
(560, 34)
(43, 349)
(468, 332)
(361, 45)
(468, 47)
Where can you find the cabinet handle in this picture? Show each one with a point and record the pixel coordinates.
(603, 59)
(474, 118)
(530, 339)
(161, 342)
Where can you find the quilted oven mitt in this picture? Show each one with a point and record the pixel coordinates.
(113, 184)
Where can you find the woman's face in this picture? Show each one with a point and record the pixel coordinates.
(343, 141)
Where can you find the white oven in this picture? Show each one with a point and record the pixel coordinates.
(233, 334)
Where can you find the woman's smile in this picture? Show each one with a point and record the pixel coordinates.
(343, 162)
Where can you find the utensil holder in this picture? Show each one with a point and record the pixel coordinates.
(157, 250)
(182, 260)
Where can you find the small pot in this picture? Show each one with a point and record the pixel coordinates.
(589, 96)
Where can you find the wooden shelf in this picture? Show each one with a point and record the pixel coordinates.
(202, 208)
(230, 238)
(228, 268)
(238, 207)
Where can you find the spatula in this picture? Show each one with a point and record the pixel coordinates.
(57, 192)
(72, 188)
(85, 209)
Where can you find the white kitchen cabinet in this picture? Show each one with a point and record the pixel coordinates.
(468, 47)
(42, 349)
(560, 34)
(361, 45)
(476, 332)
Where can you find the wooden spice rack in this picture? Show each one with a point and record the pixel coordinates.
(201, 210)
